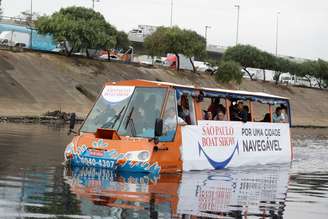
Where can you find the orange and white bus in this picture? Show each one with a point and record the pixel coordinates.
(159, 127)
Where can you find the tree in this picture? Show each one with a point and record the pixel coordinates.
(247, 56)
(266, 62)
(78, 28)
(153, 43)
(108, 39)
(177, 41)
(281, 65)
(122, 40)
(313, 69)
(229, 71)
(322, 74)
(195, 46)
(308, 70)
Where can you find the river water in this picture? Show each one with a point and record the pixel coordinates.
(34, 184)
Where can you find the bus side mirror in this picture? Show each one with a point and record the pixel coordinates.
(158, 127)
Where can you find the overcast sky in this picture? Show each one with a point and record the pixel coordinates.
(303, 24)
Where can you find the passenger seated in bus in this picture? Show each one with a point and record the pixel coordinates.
(236, 112)
(284, 114)
(207, 115)
(276, 116)
(215, 107)
(232, 108)
(267, 118)
(245, 115)
(183, 109)
(221, 115)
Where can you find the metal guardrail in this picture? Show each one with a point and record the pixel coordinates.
(16, 20)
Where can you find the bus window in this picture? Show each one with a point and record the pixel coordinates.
(186, 109)
(204, 104)
(280, 114)
(214, 108)
(192, 110)
(170, 118)
(142, 111)
(261, 112)
(240, 111)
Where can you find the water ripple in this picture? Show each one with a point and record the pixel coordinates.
(33, 184)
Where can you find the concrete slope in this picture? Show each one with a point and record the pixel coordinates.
(34, 83)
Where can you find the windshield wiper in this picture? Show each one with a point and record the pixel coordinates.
(118, 116)
(110, 123)
(133, 129)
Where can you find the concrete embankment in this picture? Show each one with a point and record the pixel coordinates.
(33, 83)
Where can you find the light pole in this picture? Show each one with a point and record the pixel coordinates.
(237, 32)
(93, 4)
(1, 12)
(206, 27)
(31, 40)
(277, 31)
(171, 19)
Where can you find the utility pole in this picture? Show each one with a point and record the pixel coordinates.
(171, 20)
(31, 37)
(93, 4)
(1, 10)
(206, 27)
(277, 31)
(237, 32)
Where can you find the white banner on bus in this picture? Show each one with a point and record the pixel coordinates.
(220, 144)
(116, 94)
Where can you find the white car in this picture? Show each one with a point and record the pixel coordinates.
(205, 67)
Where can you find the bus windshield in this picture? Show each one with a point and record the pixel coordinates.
(132, 111)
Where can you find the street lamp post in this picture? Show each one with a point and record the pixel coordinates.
(277, 31)
(206, 27)
(93, 4)
(31, 37)
(237, 31)
(171, 18)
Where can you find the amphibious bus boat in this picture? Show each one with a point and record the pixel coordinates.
(158, 127)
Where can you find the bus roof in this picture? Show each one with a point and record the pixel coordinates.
(204, 89)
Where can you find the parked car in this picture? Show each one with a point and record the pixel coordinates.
(205, 67)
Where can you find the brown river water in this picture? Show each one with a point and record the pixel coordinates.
(34, 184)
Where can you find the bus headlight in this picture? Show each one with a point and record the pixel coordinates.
(143, 155)
(137, 155)
(129, 156)
(68, 154)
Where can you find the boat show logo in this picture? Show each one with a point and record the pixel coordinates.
(115, 94)
(214, 139)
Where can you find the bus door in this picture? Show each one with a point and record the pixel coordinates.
(167, 152)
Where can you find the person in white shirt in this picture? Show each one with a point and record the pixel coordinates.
(277, 116)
